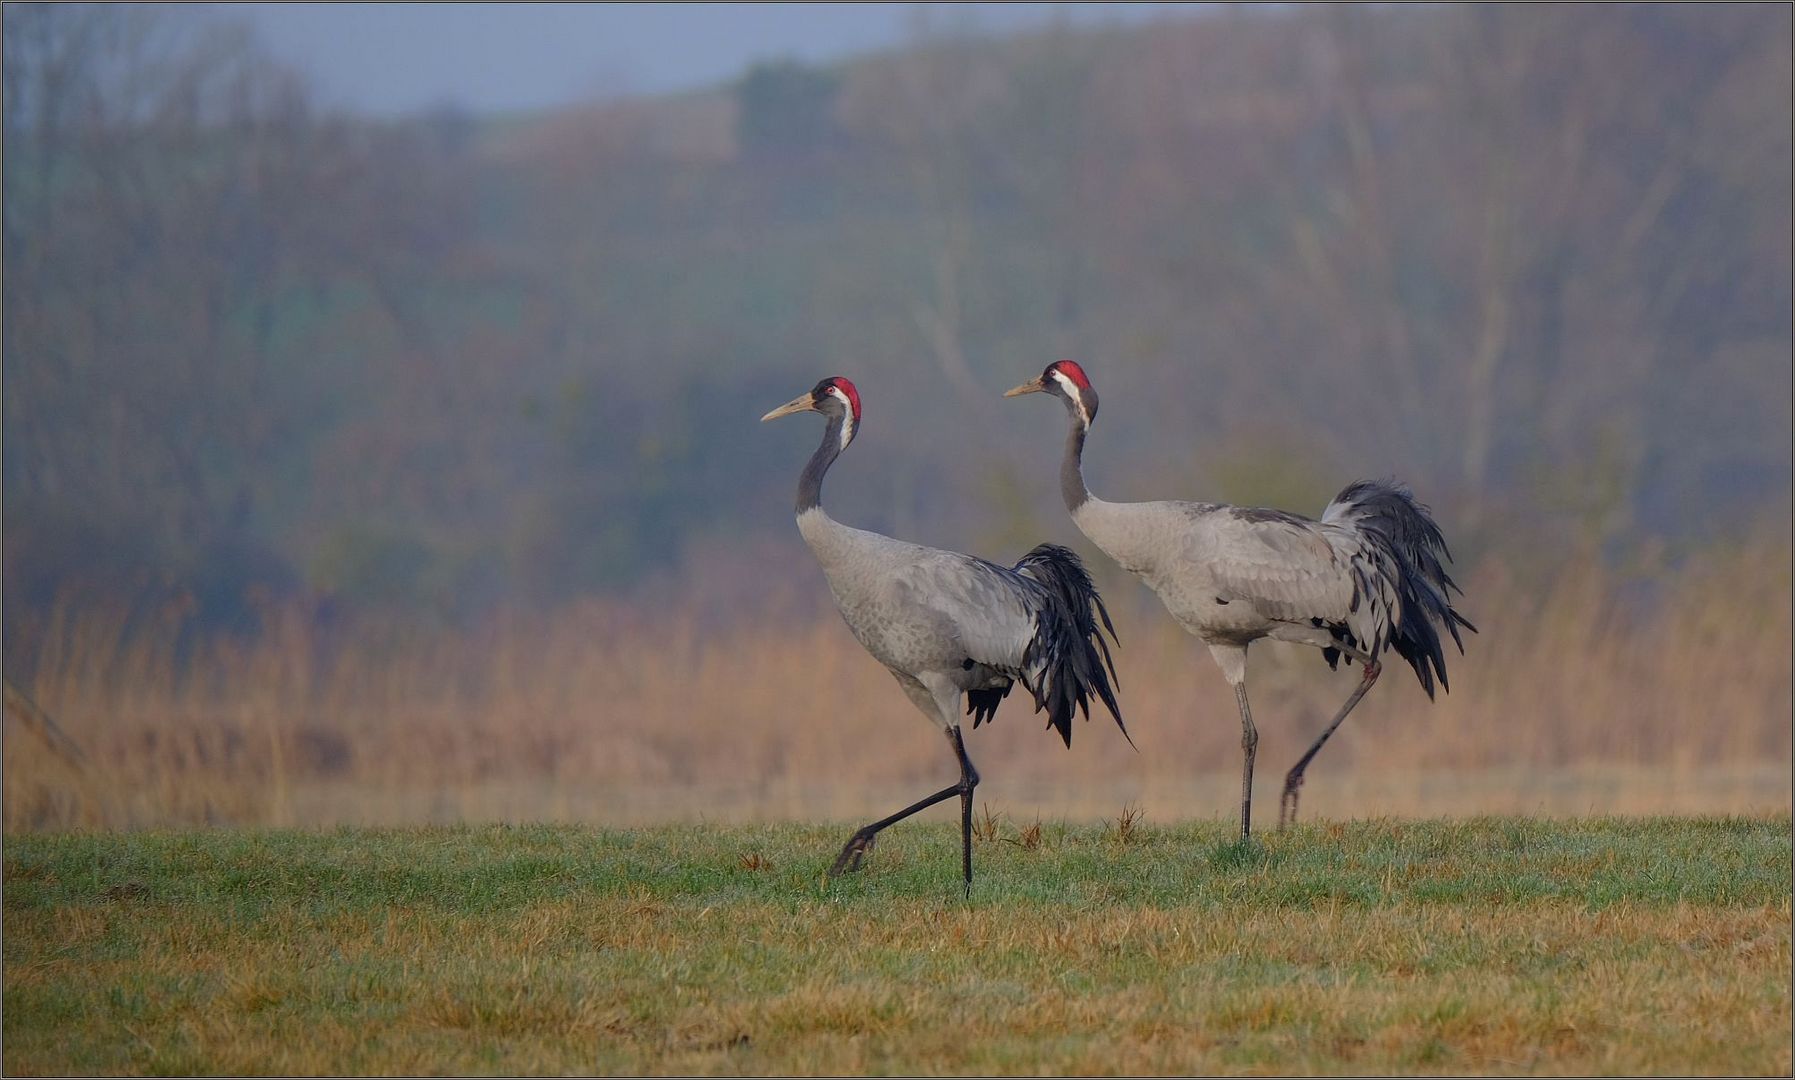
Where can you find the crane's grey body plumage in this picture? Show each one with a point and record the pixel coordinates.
(923, 612)
(950, 627)
(1231, 575)
(939, 619)
(1365, 578)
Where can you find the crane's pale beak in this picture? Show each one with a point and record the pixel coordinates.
(1032, 386)
(802, 403)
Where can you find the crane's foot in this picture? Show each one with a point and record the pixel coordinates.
(1287, 806)
(856, 847)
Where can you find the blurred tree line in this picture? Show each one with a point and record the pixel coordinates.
(1535, 260)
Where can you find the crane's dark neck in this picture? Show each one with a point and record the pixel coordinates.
(1072, 487)
(810, 483)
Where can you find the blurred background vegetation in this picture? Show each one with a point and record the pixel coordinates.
(267, 365)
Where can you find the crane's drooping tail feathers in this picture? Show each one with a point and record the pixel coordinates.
(1387, 514)
(1068, 655)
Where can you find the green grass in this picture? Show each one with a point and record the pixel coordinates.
(1492, 945)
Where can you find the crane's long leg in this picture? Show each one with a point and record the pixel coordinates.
(1293, 782)
(969, 779)
(1249, 746)
(858, 844)
(1232, 659)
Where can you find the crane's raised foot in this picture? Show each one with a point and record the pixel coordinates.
(1293, 783)
(849, 859)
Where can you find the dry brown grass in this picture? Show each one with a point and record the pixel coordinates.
(1570, 700)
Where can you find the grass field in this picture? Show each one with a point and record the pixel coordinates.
(1492, 945)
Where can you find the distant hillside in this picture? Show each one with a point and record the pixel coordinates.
(1535, 260)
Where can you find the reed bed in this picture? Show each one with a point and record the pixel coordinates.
(1583, 695)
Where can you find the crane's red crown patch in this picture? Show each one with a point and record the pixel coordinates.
(847, 388)
(1072, 371)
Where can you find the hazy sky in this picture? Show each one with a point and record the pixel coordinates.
(395, 58)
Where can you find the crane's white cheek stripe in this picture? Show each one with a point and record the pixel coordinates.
(850, 421)
(1071, 389)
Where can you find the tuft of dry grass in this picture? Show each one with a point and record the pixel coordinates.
(1592, 693)
(1030, 838)
(984, 825)
(1127, 825)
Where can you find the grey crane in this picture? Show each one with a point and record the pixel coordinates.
(950, 626)
(1364, 579)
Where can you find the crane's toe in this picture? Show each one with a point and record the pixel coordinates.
(1293, 784)
(849, 859)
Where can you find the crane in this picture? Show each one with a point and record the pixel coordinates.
(1364, 579)
(950, 626)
